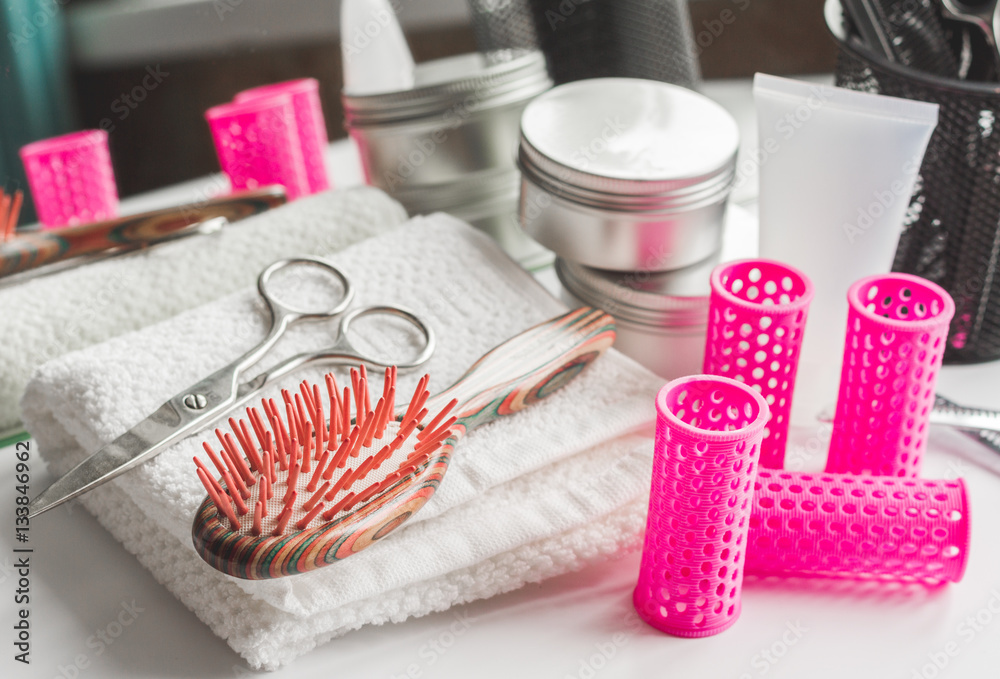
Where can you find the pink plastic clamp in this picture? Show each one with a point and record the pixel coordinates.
(756, 318)
(858, 526)
(257, 142)
(71, 179)
(309, 119)
(708, 434)
(897, 325)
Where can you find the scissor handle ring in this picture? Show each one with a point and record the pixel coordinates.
(426, 352)
(279, 308)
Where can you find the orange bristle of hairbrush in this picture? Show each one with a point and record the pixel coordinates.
(258, 516)
(310, 469)
(334, 395)
(317, 474)
(339, 460)
(220, 499)
(433, 424)
(337, 508)
(319, 420)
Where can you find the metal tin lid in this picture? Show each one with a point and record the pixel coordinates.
(669, 299)
(625, 143)
(463, 83)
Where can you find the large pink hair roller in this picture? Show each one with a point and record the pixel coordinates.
(897, 325)
(257, 142)
(71, 179)
(756, 319)
(858, 526)
(309, 120)
(708, 433)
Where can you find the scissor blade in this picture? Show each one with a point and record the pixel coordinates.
(129, 450)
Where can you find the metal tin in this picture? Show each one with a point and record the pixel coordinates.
(626, 174)
(462, 116)
(487, 201)
(661, 317)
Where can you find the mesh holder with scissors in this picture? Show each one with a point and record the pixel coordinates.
(202, 404)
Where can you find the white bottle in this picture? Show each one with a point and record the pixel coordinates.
(376, 56)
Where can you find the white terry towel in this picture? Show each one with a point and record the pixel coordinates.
(50, 316)
(533, 495)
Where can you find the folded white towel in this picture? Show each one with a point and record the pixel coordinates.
(530, 496)
(50, 316)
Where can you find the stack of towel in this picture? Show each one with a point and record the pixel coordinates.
(542, 492)
(53, 315)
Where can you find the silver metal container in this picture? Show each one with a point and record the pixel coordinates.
(462, 116)
(626, 174)
(487, 201)
(661, 317)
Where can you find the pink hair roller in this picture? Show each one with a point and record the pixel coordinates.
(858, 526)
(71, 179)
(897, 325)
(257, 142)
(756, 318)
(309, 120)
(708, 434)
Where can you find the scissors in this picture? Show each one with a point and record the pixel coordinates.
(203, 403)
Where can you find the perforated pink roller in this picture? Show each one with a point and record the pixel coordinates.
(257, 142)
(708, 433)
(309, 119)
(71, 179)
(755, 324)
(858, 526)
(896, 330)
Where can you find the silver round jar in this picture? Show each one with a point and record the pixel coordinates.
(462, 116)
(487, 201)
(626, 174)
(661, 317)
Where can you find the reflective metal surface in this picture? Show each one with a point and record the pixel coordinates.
(626, 174)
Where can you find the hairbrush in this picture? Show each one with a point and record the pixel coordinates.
(295, 490)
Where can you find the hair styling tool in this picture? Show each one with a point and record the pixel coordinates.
(858, 526)
(756, 320)
(290, 495)
(708, 437)
(978, 423)
(71, 178)
(37, 252)
(897, 326)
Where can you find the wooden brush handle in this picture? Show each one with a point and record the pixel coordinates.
(527, 368)
(516, 374)
(32, 250)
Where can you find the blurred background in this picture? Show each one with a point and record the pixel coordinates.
(146, 70)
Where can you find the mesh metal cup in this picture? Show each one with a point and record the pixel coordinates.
(950, 236)
(503, 24)
(650, 39)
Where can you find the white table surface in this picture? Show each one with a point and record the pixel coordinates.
(83, 585)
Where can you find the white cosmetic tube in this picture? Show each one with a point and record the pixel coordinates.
(376, 56)
(837, 169)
